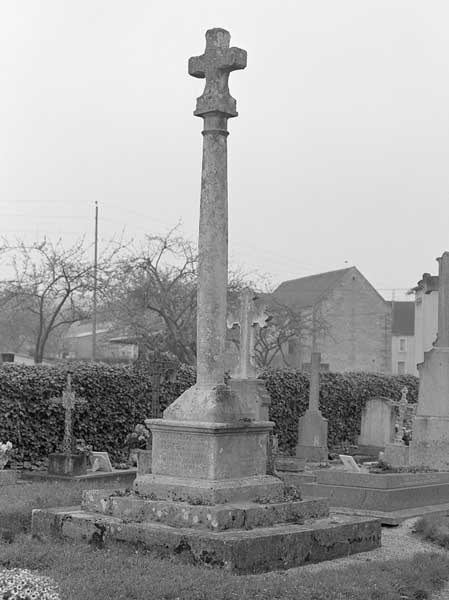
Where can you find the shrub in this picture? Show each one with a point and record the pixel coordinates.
(119, 396)
(342, 397)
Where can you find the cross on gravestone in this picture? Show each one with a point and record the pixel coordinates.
(69, 401)
(249, 316)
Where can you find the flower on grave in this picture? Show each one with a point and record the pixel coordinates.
(22, 584)
(82, 448)
(5, 453)
(138, 438)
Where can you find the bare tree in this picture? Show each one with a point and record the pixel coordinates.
(286, 325)
(154, 296)
(51, 284)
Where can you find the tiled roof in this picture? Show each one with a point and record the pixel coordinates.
(306, 291)
(403, 318)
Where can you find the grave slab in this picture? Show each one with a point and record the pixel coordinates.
(387, 496)
(118, 477)
(239, 551)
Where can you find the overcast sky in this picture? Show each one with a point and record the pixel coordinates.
(339, 155)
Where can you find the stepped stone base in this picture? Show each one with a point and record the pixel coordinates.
(389, 497)
(204, 491)
(279, 546)
(8, 477)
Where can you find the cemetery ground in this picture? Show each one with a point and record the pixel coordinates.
(406, 566)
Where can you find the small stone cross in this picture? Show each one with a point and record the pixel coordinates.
(249, 316)
(68, 401)
(215, 65)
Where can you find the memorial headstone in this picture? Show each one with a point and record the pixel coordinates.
(312, 426)
(377, 426)
(68, 462)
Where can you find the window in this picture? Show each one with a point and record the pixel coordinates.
(402, 345)
(401, 367)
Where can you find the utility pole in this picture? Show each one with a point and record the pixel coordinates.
(94, 304)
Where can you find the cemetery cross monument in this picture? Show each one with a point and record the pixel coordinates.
(207, 446)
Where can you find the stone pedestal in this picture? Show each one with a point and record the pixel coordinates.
(312, 437)
(144, 459)
(209, 462)
(67, 464)
(254, 395)
(430, 437)
(397, 455)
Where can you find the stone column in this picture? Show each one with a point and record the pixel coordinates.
(314, 391)
(443, 301)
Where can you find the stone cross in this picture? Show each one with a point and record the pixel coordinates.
(249, 317)
(443, 301)
(215, 106)
(69, 401)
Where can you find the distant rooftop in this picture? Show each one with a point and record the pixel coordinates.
(403, 318)
(306, 291)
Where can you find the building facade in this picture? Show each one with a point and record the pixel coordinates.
(353, 331)
(403, 352)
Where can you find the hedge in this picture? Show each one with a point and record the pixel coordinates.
(119, 396)
(342, 397)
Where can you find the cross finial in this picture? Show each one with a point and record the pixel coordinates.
(215, 65)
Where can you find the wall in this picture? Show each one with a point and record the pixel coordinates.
(359, 336)
(406, 356)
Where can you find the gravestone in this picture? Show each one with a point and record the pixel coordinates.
(377, 424)
(209, 449)
(312, 426)
(68, 462)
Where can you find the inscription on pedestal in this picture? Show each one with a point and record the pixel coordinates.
(209, 456)
(186, 452)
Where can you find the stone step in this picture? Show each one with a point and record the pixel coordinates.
(241, 551)
(219, 517)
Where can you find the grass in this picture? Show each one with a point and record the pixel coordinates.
(434, 528)
(17, 502)
(121, 572)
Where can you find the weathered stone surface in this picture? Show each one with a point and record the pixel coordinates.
(290, 463)
(67, 464)
(212, 451)
(205, 491)
(377, 423)
(397, 455)
(118, 478)
(8, 477)
(380, 480)
(312, 437)
(144, 461)
(252, 551)
(218, 517)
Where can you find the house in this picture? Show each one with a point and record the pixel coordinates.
(426, 314)
(351, 322)
(77, 343)
(403, 359)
